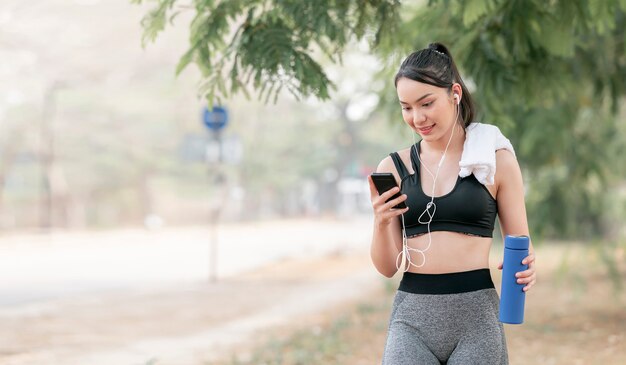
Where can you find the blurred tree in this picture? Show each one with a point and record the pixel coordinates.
(271, 43)
(551, 75)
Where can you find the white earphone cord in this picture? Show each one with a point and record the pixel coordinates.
(404, 257)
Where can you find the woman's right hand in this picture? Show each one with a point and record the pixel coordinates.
(383, 212)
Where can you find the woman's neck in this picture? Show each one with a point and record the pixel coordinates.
(438, 147)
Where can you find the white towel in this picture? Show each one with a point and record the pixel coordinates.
(479, 151)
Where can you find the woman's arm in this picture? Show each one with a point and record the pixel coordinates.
(512, 209)
(387, 235)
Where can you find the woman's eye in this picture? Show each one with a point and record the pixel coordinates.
(406, 108)
(428, 104)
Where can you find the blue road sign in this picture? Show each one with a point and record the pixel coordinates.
(215, 119)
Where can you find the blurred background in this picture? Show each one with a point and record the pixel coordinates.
(138, 227)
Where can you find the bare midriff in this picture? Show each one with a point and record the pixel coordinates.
(450, 252)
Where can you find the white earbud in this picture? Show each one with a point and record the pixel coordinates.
(457, 99)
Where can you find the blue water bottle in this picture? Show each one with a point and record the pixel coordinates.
(512, 295)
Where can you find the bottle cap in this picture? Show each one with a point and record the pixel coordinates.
(516, 242)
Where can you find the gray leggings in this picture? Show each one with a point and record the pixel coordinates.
(434, 329)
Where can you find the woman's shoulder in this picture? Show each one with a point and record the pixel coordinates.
(404, 153)
(505, 159)
(507, 166)
(387, 164)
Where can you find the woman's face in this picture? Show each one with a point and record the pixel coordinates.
(429, 110)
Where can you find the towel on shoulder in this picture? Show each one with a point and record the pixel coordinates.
(479, 151)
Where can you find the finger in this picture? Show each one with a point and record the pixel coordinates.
(530, 285)
(389, 193)
(530, 258)
(391, 213)
(525, 280)
(381, 201)
(500, 265)
(400, 211)
(525, 273)
(392, 203)
(386, 212)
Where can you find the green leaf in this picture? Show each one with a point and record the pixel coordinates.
(474, 9)
(173, 16)
(185, 60)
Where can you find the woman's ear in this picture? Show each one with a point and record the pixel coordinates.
(457, 93)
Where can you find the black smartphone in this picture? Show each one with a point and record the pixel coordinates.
(385, 181)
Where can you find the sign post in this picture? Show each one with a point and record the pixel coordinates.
(215, 120)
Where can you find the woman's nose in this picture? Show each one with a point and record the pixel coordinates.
(418, 117)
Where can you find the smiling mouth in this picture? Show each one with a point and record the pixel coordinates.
(426, 130)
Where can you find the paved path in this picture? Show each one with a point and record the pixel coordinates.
(38, 268)
(175, 316)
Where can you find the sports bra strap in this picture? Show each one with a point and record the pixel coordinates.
(414, 156)
(402, 170)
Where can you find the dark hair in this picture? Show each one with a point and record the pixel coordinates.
(434, 66)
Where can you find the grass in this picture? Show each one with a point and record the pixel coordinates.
(351, 334)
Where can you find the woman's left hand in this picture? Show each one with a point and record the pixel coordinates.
(528, 277)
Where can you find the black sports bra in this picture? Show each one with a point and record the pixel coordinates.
(468, 208)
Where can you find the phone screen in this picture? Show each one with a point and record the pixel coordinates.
(385, 181)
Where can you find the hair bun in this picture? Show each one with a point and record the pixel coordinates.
(439, 48)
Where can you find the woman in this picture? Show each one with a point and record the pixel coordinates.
(446, 308)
